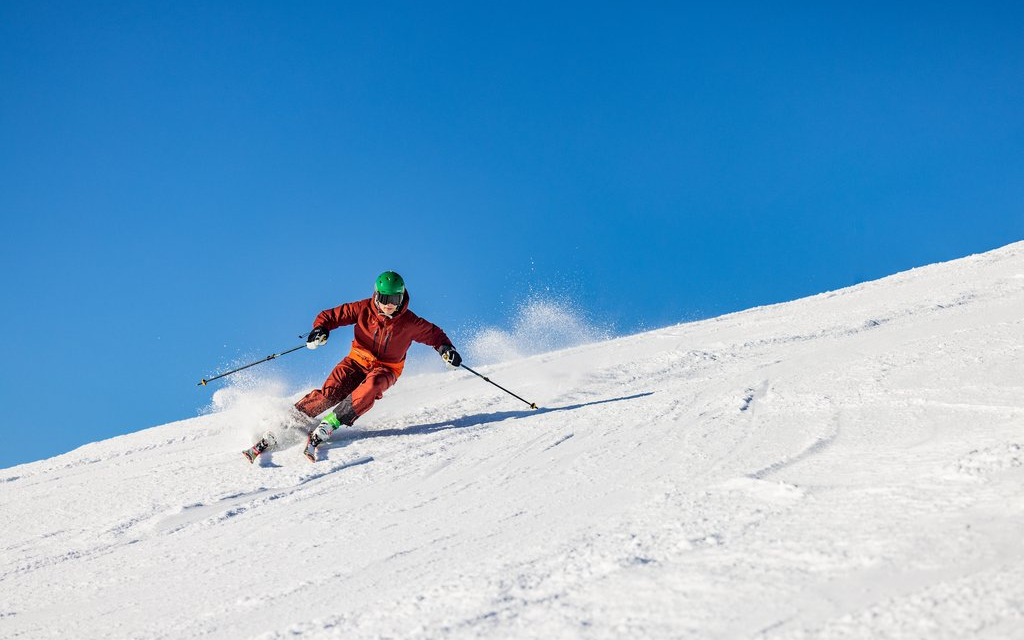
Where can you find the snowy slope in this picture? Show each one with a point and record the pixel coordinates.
(847, 465)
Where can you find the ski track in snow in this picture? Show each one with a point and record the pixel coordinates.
(234, 505)
(844, 466)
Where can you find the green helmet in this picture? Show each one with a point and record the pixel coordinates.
(389, 283)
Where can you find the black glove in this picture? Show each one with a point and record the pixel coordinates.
(317, 337)
(450, 355)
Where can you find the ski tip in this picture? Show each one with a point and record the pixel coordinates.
(310, 453)
(248, 456)
(533, 405)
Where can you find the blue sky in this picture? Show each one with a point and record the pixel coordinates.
(184, 185)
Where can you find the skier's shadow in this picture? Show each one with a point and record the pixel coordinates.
(478, 419)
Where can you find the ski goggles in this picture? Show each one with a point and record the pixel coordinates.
(395, 299)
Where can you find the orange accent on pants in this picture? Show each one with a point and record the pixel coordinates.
(352, 381)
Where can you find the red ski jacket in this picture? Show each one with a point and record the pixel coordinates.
(380, 340)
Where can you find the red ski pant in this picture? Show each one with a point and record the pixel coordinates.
(351, 389)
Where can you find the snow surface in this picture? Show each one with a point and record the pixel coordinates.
(848, 465)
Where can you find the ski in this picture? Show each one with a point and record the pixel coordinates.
(310, 450)
(268, 441)
(319, 436)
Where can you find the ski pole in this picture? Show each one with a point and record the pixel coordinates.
(533, 405)
(202, 383)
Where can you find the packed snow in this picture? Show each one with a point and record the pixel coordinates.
(849, 465)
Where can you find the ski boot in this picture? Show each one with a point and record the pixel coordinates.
(320, 435)
(268, 441)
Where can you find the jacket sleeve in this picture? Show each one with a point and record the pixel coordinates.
(346, 314)
(429, 334)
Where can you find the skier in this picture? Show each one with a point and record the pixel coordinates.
(385, 328)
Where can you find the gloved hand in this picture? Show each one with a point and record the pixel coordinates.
(450, 355)
(317, 337)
